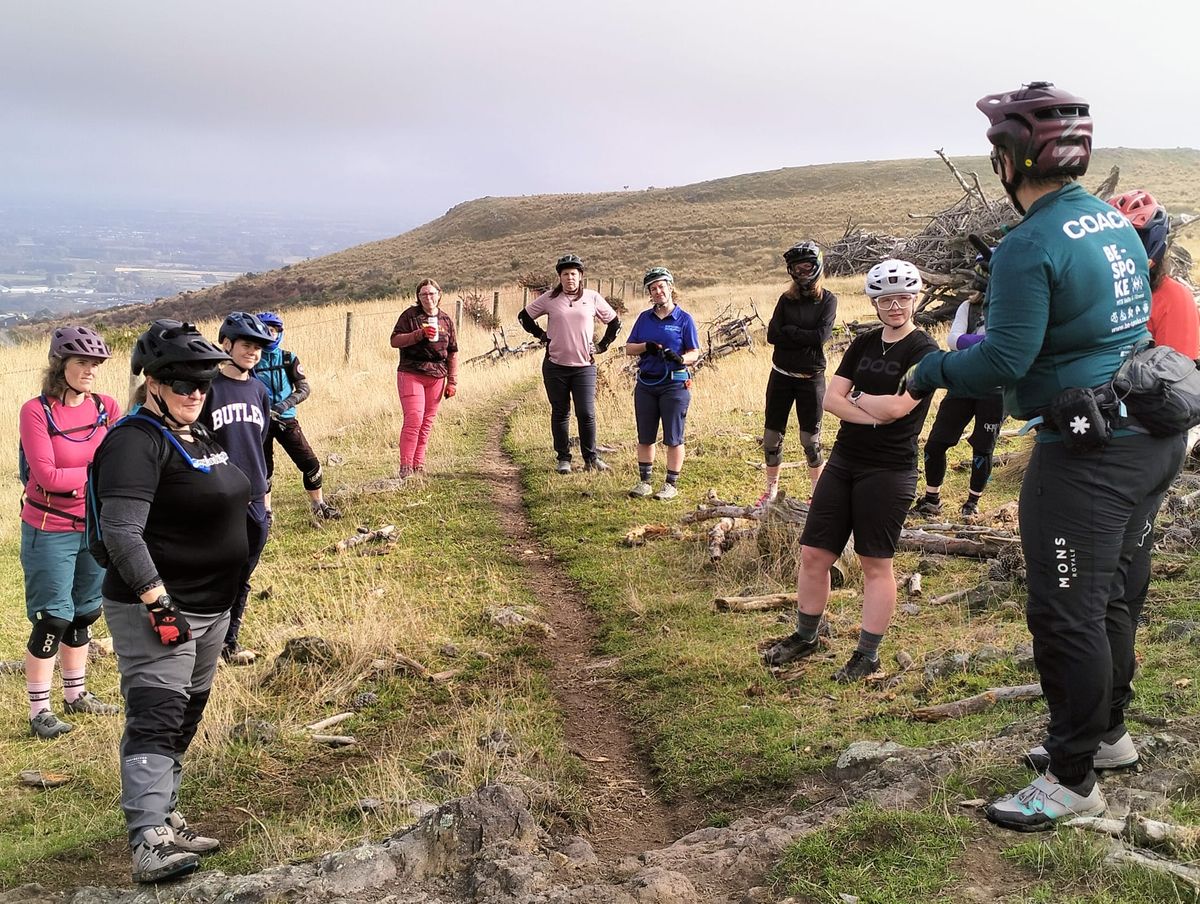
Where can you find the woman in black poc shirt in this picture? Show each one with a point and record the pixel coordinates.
(871, 476)
(172, 510)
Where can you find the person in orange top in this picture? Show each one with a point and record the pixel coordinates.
(1174, 320)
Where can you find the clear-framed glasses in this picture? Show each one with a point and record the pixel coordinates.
(894, 302)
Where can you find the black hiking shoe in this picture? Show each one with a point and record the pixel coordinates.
(789, 649)
(970, 508)
(858, 668)
(927, 508)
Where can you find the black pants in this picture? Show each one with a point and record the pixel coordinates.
(952, 418)
(565, 385)
(1087, 524)
(288, 434)
(257, 527)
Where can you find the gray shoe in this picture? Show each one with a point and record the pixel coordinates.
(1043, 802)
(89, 704)
(641, 490)
(563, 466)
(597, 464)
(1120, 754)
(47, 726)
(187, 838)
(156, 857)
(325, 511)
(669, 491)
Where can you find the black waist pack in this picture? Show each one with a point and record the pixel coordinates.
(1161, 388)
(1082, 418)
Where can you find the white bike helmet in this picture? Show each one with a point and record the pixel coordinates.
(893, 277)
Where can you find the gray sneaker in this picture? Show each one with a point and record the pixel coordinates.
(187, 838)
(89, 704)
(156, 856)
(325, 511)
(669, 491)
(641, 490)
(597, 464)
(47, 726)
(1042, 802)
(1120, 754)
(563, 466)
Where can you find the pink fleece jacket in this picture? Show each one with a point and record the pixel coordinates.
(58, 464)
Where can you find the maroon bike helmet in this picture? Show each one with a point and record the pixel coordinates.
(1047, 131)
(78, 340)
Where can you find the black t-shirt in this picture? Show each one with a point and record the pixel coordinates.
(196, 529)
(876, 370)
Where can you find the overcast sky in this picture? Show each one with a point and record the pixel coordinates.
(394, 111)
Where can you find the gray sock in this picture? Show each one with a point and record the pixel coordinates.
(807, 625)
(868, 643)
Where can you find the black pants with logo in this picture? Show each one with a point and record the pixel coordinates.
(1087, 528)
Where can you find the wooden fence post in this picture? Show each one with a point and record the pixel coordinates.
(622, 288)
(611, 287)
(458, 306)
(496, 307)
(349, 323)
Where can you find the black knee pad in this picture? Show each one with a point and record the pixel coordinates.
(79, 632)
(312, 478)
(153, 719)
(772, 448)
(811, 443)
(192, 714)
(46, 635)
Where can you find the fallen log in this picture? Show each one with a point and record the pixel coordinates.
(1123, 856)
(334, 740)
(951, 597)
(978, 703)
(1182, 840)
(986, 547)
(914, 584)
(387, 532)
(748, 512)
(323, 724)
(763, 603)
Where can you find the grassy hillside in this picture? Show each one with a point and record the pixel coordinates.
(724, 231)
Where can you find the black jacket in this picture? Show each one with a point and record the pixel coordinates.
(799, 329)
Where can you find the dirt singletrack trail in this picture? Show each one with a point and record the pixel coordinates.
(627, 815)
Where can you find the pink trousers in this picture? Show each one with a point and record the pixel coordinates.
(420, 397)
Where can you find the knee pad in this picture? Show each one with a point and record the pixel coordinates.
(773, 448)
(47, 633)
(192, 713)
(312, 478)
(79, 632)
(811, 443)
(153, 719)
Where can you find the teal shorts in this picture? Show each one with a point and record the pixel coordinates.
(61, 577)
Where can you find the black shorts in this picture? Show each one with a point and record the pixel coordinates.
(869, 502)
(955, 413)
(807, 394)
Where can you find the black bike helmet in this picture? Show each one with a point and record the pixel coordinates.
(240, 325)
(568, 261)
(806, 252)
(172, 350)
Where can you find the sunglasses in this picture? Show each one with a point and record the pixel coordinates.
(893, 302)
(187, 387)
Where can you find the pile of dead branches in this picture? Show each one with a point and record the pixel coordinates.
(729, 332)
(501, 349)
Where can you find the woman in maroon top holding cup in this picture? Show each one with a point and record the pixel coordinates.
(427, 373)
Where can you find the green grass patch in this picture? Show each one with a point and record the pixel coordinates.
(879, 856)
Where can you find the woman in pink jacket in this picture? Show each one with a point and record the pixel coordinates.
(60, 430)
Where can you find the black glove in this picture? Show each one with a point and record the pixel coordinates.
(653, 348)
(673, 357)
(906, 384)
(602, 346)
(168, 622)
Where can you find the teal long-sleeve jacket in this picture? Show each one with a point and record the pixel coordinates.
(1068, 299)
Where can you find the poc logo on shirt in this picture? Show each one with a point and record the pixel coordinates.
(236, 413)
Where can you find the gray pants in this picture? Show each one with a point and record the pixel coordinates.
(165, 691)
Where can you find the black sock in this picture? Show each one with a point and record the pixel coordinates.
(933, 497)
(644, 469)
(672, 476)
(807, 625)
(868, 643)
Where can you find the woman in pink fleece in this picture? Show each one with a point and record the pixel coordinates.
(427, 373)
(60, 430)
